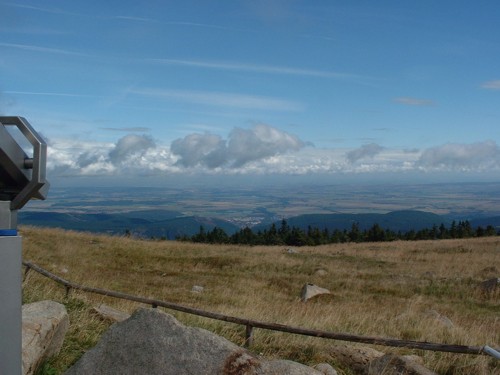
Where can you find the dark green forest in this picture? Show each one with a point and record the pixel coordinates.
(284, 234)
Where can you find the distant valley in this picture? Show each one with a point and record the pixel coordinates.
(171, 212)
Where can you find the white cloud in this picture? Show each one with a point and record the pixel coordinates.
(478, 156)
(414, 101)
(34, 48)
(242, 147)
(491, 85)
(200, 149)
(214, 98)
(260, 150)
(366, 151)
(260, 142)
(128, 147)
(256, 68)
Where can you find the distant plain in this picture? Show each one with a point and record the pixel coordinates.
(251, 205)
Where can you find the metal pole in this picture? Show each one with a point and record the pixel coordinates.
(21, 178)
(10, 302)
(491, 351)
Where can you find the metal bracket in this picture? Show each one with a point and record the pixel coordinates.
(21, 186)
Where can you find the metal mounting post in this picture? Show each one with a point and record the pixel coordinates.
(22, 178)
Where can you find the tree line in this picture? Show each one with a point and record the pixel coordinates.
(285, 234)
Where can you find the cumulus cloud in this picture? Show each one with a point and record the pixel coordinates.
(200, 149)
(364, 152)
(259, 150)
(260, 142)
(465, 157)
(243, 146)
(130, 145)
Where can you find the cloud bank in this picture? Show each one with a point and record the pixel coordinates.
(260, 150)
(480, 156)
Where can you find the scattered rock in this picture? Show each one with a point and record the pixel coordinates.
(429, 275)
(310, 290)
(414, 358)
(282, 367)
(390, 364)
(321, 272)
(325, 369)
(490, 271)
(108, 313)
(197, 289)
(445, 321)
(355, 358)
(153, 342)
(490, 286)
(44, 326)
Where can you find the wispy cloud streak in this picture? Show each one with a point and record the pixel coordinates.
(132, 18)
(41, 9)
(414, 101)
(34, 48)
(491, 85)
(50, 94)
(221, 99)
(254, 68)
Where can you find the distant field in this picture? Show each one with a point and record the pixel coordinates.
(273, 202)
(386, 289)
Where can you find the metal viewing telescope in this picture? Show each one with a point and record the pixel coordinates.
(22, 178)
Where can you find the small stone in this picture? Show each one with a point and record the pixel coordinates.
(445, 321)
(321, 272)
(108, 313)
(310, 290)
(197, 289)
(390, 364)
(490, 285)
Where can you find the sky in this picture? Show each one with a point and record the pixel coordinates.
(131, 92)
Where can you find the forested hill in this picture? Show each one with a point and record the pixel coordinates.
(403, 221)
(173, 224)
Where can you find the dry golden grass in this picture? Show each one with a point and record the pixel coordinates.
(384, 289)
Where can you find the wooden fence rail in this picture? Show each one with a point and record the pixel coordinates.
(251, 324)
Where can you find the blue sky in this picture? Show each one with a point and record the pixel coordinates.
(157, 90)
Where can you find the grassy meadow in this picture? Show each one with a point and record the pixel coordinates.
(378, 289)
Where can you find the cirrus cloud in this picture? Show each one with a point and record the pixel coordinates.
(491, 85)
(414, 101)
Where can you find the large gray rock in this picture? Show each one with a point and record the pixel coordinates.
(355, 358)
(390, 364)
(153, 342)
(45, 324)
(325, 369)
